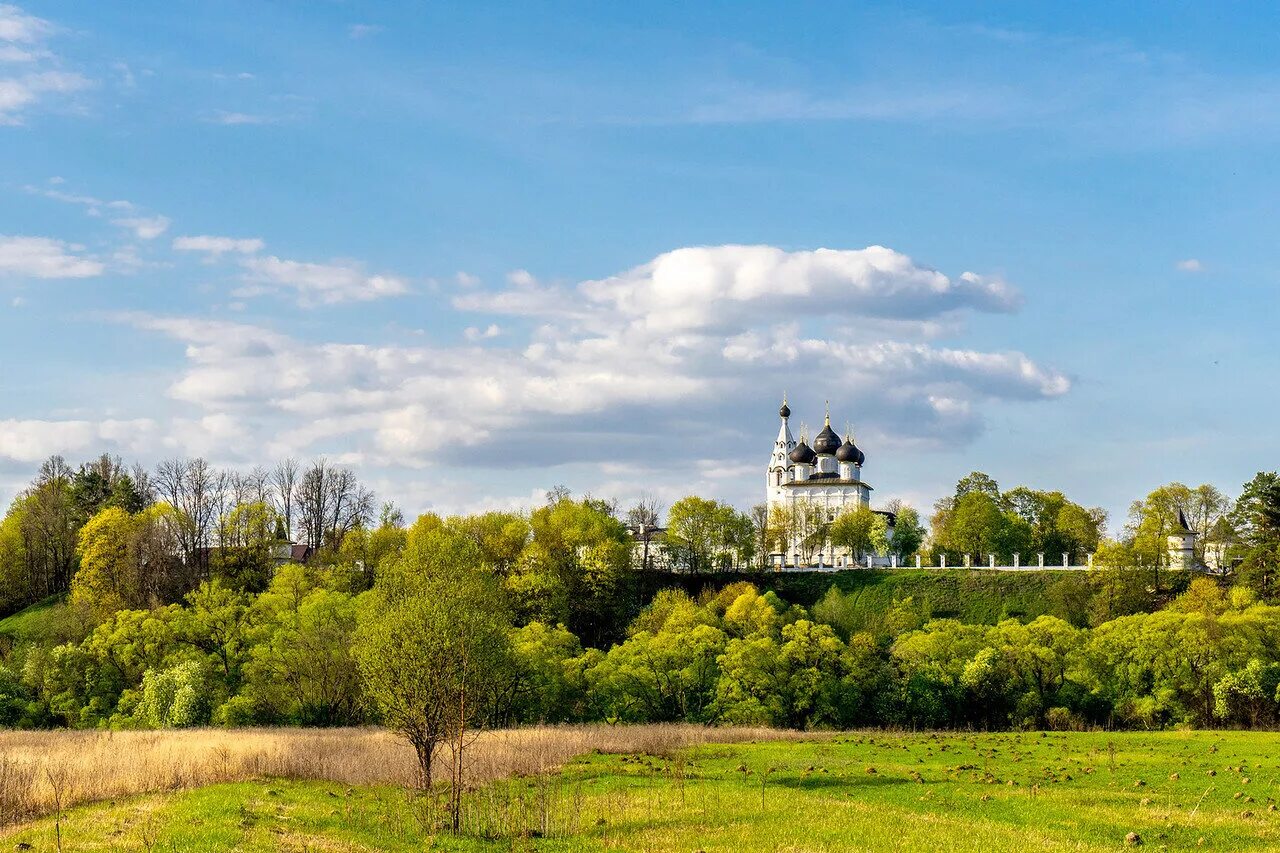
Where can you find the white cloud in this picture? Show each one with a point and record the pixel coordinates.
(1191, 265)
(216, 247)
(311, 283)
(43, 257)
(35, 440)
(726, 286)
(522, 278)
(601, 388)
(18, 26)
(359, 31)
(144, 227)
(19, 93)
(13, 53)
(238, 118)
(466, 279)
(22, 39)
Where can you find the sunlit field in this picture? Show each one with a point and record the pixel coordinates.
(670, 788)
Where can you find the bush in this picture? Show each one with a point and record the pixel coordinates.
(1064, 720)
(175, 697)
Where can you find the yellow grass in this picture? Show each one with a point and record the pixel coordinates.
(37, 769)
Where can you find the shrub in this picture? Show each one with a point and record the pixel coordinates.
(1064, 720)
(175, 697)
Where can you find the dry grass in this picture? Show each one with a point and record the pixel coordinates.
(86, 766)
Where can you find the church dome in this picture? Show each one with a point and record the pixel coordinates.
(848, 452)
(827, 441)
(803, 454)
(785, 411)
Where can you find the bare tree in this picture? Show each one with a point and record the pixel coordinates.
(258, 481)
(284, 482)
(644, 518)
(197, 492)
(143, 483)
(331, 503)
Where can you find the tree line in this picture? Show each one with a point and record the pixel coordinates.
(182, 611)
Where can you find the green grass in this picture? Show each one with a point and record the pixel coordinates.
(978, 596)
(41, 622)
(867, 791)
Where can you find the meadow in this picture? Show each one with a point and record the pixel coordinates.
(659, 788)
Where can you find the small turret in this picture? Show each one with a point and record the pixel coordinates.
(1182, 544)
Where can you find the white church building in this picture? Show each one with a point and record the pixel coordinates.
(825, 478)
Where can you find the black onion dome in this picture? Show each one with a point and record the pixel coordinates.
(862, 457)
(827, 441)
(785, 411)
(803, 454)
(848, 452)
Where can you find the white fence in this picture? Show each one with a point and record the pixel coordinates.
(874, 562)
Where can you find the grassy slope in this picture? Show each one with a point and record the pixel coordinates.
(946, 792)
(37, 623)
(970, 595)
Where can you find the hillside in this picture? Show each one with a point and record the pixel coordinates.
(977, 596)
(42, 622)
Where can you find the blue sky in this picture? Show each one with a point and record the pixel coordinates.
(477, 250)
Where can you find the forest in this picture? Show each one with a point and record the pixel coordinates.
(173, 598)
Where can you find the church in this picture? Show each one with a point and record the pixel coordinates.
(825, 478)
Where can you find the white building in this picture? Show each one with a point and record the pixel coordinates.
(825, 478)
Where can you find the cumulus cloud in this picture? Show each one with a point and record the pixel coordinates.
(727, 287)
(635, 369)
(44, 257)
(312, 283)
(474, 333)
(34, 440)
(215, 247)
(1191, 265)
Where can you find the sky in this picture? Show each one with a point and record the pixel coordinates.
(477, 250)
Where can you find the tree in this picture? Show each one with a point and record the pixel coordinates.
(126, 561)
(330, 502)
(644, 519)
(696, 526)
(301, 664)
(810, 529)
(247, 539)
(50, 525)
(1255, 518)
(431, 641)
(216, 622)
(908, 532)
(1152, 519)
(978, 483)
(862, 531)
(975, 526)
(196, 491)
(284, 481)
(574, 568)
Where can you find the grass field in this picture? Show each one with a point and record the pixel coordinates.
(865, 791)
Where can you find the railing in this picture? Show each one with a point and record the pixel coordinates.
(892, 562)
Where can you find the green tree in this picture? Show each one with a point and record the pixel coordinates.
(862, 531)
(247, 539)
(301, 666)
(432, 642)
(908, 532)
